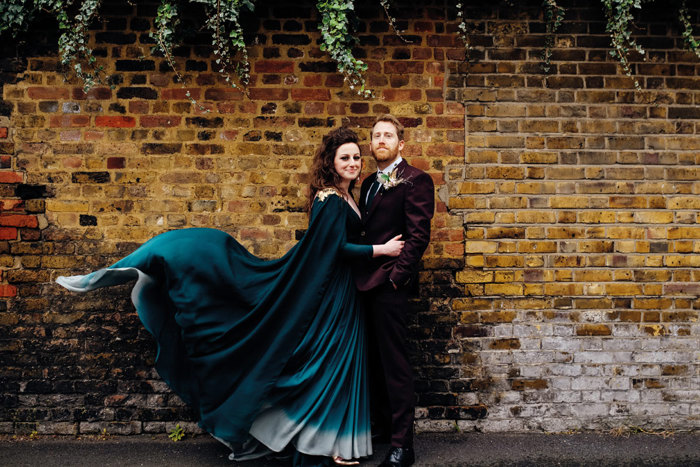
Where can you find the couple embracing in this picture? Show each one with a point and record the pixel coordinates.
(273, 355)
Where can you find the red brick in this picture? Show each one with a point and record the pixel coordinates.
(115, 122)
(116, 163)
(19, 220)
(312, 80)
(69, 121)
(3, 132)
(274, 66)
(311, 94)
(11, 177)
(401, 95)
(180, 93)
(11, 204)
(40, 92)
(93, 135)
(403, 67)
(223, 94)
(8, 233)
(269, 94)
(100, 93)
(445, 122)
(138, 107)
(8, 290)
(150, 121)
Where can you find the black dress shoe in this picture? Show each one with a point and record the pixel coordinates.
(399, 457)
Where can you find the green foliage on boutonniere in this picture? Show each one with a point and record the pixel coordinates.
(391, 180)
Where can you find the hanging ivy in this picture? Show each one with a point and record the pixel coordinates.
(688, 37)
(337, 37)
(338, 41)
(619, 14)
(553, 17)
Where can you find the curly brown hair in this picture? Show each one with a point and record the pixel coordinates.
(323, 174)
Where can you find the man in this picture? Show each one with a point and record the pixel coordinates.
(398, 199)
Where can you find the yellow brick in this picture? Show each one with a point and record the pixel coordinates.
(684, 202)
(568, 202)
(593, 330)
(623, 289)
(677, 233)
(533, 261)
(503, 289)
(653, 217)
(62, 318)
(596, 217)
(508, 276)
(539, 158)
(505, 172)
(626, 232)
(535, 217)
(67, 206)
(593, 275)
(505, 261)
(479, 217)
(537, 247)
(459, 304)
(563, 290)
(469, 317)
(533, 289)
(471, 275)
(565, 232)
(474, 290)
(507, 247)
(461, 203)
(480, 247)
(477, 188)
(497, 316)
(505, 218)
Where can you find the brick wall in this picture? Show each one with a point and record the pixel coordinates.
(560, 288)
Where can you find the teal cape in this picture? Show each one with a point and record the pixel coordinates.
(268, 352)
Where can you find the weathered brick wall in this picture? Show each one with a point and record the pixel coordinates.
(559, 290)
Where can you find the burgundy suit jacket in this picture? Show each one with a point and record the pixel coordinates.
(405, 209)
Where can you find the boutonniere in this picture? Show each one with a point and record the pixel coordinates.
(391, 180)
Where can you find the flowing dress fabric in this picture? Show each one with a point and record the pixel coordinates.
(268, 352)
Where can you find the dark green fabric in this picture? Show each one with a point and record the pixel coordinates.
(237, 334)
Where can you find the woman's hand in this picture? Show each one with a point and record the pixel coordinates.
(391, 248)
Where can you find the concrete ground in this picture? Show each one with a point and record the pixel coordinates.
(465, 449)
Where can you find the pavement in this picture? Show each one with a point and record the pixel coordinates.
(439, 449)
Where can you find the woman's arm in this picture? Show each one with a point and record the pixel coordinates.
(354, 250)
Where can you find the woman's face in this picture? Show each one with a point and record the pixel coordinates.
(348, 161)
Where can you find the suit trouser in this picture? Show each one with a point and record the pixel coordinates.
(391, 376)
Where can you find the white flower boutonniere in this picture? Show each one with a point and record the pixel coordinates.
(391, 180)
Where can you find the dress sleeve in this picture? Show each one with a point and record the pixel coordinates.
(336, 213)
(356, 250)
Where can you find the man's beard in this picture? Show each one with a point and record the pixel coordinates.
(385, 156)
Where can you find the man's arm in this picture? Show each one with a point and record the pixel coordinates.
(419, 205)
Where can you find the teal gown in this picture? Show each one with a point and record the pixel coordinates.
(270, 353)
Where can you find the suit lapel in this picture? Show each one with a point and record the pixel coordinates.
(380, 194)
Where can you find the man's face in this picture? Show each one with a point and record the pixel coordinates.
(385, 144)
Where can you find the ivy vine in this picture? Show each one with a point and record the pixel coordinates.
(338, 41)
(337, 36)
(620, 17)
(684, 18)
(553, 17)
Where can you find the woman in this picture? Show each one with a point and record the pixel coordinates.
(269, 353)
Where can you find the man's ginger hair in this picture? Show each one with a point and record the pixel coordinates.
(391, 119)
